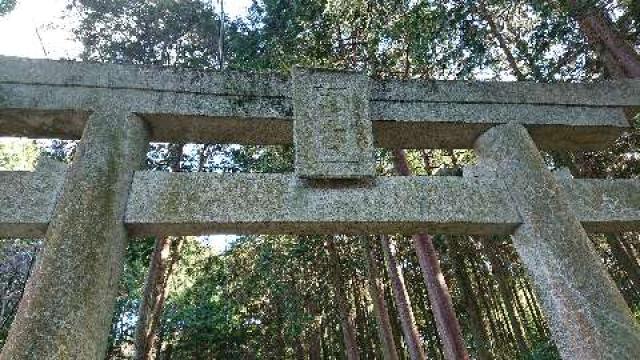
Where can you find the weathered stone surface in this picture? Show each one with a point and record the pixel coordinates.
(205, 203)
(53, 111)
(28, 198)
(258, 204)
(53, 99)
(66, 309)
(600, 205)
(332, 132)
(452, 125)
(16, 70)
(45, 111)
(604, 205)
(589, 318)
(618, 93)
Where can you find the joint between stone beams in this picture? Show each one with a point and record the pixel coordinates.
(85, 245)
(579, 297)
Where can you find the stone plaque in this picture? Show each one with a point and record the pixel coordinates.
(333, 135)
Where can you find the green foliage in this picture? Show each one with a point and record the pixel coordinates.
(543, 350)
(177, 33)
(206, 324)
(6, 6)
(128, 299)
(18, 154)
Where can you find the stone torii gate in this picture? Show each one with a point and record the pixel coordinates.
(334, 119)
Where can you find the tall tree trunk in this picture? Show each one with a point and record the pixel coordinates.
(315, 344)
(623, 258)
(504, 320)
(395, 320)
(403, 304)
(484, 303)
(314, 335)
(521, 313)
(620, 58)
(538, 320)
(155, 292)
(348, 330)
(360, 306)
(385, 332)
(441, 305)
(497, 315)
(630, 246)
(324, 339)
(506, 294)
(422, 306)
(473, 310)
(160, 268)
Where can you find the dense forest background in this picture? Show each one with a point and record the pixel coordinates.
(385, 296)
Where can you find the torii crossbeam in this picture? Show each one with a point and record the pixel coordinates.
(334, 120)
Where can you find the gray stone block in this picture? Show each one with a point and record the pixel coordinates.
(588, 316)
(600, 205)
(610, 93)
(42, 98)
(28, 198)
(604, 205)
(204, 203)
(68, 302)
(332, 132)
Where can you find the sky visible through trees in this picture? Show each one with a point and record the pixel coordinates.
(312, 297)
(55, 26)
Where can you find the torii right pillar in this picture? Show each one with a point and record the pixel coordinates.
(588, 317)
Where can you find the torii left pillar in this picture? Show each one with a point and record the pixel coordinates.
(68, 303)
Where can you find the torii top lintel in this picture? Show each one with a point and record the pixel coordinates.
(43, 98)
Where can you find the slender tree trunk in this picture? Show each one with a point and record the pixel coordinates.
(504, 337)
(314, 335)
(623, 258)
(395, 322)
(324, 331)
(385, 332)
(315, 345)
(360, 306)
(473, 310)
(507, 296)
(403, 304)
(484, 303)
(348, 330)
(160, 267)
(154, 295)
(160, 355)
(500, 303)
(620, 58)
(630, 246)
(533, 308)
(521, 313)
(441, 305)
(433, 347)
